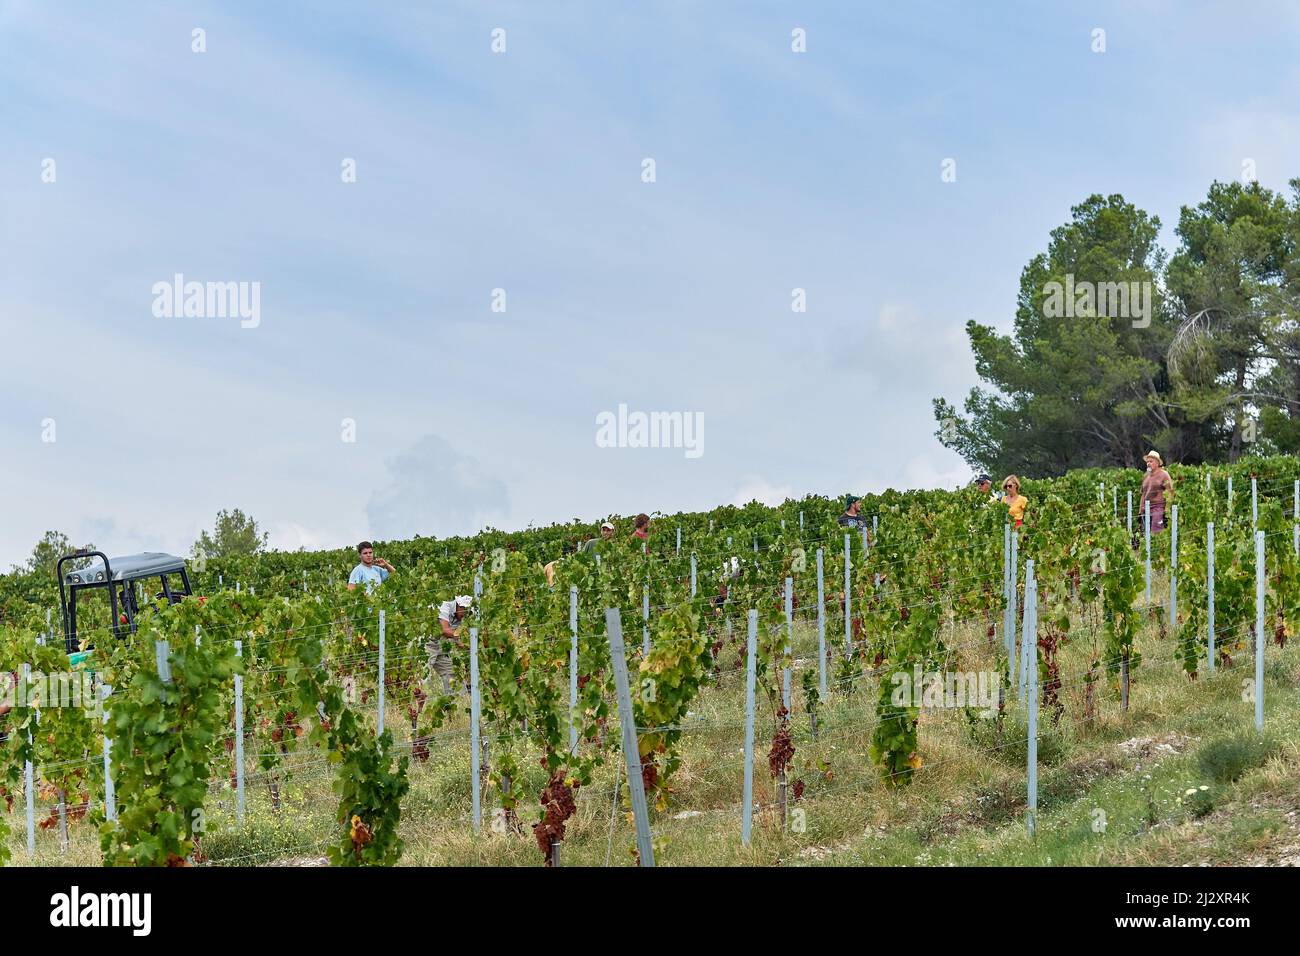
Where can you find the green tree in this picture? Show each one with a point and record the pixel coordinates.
(1235, 278)
(235, 533)
(45, 556)
(1081, 380)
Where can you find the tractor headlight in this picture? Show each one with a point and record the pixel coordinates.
(99, 575)
(76, 579)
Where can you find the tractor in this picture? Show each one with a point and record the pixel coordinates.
(128, 581)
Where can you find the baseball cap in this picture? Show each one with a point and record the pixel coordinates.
(981, 478)
(464, 600)
(607, 524)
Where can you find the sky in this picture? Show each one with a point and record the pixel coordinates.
(500, 154)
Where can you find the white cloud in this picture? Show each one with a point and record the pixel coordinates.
(943, 469)
(290, 536)
(435, 490)
(758, 488)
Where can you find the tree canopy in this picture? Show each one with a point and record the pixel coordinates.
(235, 533)
(45, 556)
(1117, 347)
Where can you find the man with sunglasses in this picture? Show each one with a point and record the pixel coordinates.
(984, 485)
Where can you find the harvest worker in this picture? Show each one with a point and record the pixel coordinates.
(450, 615)
(1157, 489)
(985, 486)
(853, 517)
(641, 530)
(371, 570)
(1014, 500)
(587, 547)
(606, 532)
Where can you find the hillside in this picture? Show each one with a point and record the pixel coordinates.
(1144, 744)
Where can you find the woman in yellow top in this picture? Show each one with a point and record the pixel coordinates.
(1014, 500)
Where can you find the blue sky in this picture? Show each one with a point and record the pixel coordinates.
(522, 171)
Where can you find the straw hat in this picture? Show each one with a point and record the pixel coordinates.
(1156, 455)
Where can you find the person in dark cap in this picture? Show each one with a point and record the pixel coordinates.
(853, 517)
(984, 484)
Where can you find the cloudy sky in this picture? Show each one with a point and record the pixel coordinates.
(522, 171)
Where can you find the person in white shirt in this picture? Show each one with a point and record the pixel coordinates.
(450, 615)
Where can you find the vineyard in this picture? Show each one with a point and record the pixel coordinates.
(939, 688)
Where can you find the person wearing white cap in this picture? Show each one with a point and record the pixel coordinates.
(1157, 489)
(607, 530)
(450, 615)
(587, 547)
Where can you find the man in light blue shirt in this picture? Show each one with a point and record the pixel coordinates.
(371, 570)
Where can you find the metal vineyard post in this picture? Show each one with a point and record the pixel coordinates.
(380, 695)
(645, 620)
(821, 625)
(789, 641)
(1173, 569)
(1008, 634)
(1030, 638)
(1013, 598)
(751, 652)
(1209, 583)
(627, 720)
(110, 799)
(848, 597)
(29, 773)
(1028, 644)
(1259, 630)
(573, 667)
(239, 738)
(162, 659)
(475, 797)
(1146, 506)
(1129, 519)
(1254, 504)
